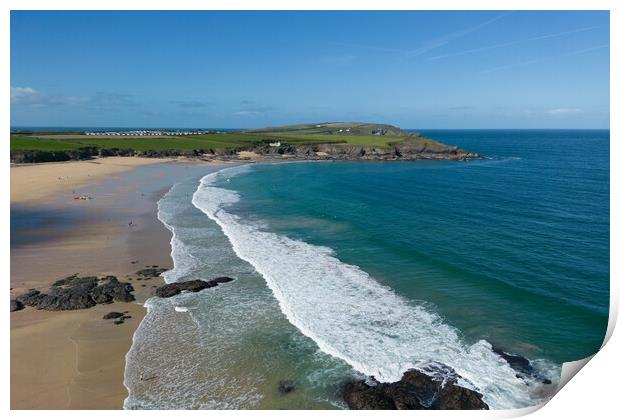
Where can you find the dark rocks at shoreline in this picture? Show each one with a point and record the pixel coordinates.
(286, 387)
(173, 289)
(428, 150)
(16, 305)
(520, 365)
(76, 292)
(517, 363)
(118, 317)
(416, 390)
(150, 272)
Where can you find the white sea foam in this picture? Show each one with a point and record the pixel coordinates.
(183, 260)
(351, 316)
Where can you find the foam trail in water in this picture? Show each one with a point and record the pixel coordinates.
(353, 317)
(183, 260)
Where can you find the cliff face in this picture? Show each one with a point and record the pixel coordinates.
(401, 151)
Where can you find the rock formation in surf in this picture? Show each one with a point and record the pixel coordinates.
(416, 390)
(173, 289)
(520, 365)
(153, 271)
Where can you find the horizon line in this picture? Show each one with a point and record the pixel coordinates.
(250, 128)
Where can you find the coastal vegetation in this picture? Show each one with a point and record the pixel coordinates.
(305, 141)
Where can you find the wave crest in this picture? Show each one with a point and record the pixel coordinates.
(351, 316)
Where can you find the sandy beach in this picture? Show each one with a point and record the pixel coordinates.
(75, 359)
(43, 180)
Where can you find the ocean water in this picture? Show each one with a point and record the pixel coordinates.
(354, 269)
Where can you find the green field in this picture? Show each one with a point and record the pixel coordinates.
(360, 134)
(30, 143)
(354, 140)
(201, 142)
(139, 144)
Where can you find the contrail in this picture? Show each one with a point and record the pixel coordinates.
(516, 42)
(445, 39)
(525, 63)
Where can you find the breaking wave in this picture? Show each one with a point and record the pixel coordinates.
(351, 316)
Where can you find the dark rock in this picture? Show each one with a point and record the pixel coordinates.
(434, 389)
(119, 322)
(173, 289)
(66, 281)
(30, 298)
(112, 290)
(150, 272)
(78, 293)
(112, 315)
(222, 279)
(360, 396)
(522, 366)
(16, 305)
(517, 363)
(285, 387)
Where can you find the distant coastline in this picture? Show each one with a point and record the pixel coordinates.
(320, 141)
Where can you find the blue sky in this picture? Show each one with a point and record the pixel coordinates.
(419, 69)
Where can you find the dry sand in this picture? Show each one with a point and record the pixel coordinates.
(36, 181)
(75, 359)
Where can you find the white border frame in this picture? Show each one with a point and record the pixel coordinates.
(592, 394)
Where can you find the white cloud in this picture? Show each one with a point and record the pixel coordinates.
(253, 112)
(28, 96)
(24, 95)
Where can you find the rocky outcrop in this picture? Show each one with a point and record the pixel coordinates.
(16, 305)
(434, 389)
(429, 150)
(110, 289)
(286, 387)
(150, 272)
(420, 149)
(173, 289)
(113, 315)
(118, 317)
(78, 293)
(520, 365)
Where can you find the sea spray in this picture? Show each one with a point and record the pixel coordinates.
(183, 260)
(225, 348)
(351, 316)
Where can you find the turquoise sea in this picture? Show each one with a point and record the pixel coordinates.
(354, 269)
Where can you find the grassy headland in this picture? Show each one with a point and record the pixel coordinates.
(306, 141)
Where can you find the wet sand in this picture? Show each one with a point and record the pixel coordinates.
(75, 359)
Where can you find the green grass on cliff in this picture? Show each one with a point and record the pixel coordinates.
(19, 143)
(29, 143)
(330, 133)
